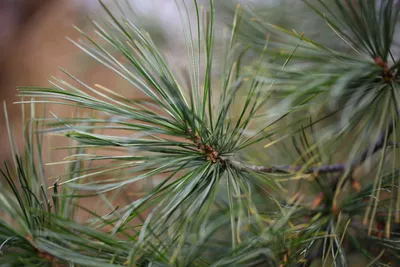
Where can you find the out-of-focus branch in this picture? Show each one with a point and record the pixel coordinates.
(333, 168)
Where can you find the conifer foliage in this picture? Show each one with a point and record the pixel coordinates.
(281, 151)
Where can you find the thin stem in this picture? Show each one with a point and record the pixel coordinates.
(287, 168)
(333, 168)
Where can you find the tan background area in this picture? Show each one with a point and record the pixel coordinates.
(33, 47)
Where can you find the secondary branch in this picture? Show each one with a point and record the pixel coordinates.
(333, 168)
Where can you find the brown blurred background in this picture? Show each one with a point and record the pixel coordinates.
(32, 46)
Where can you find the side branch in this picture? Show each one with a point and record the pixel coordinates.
(288, 168)
(333, 168)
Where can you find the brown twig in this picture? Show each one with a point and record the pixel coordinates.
(324, 169)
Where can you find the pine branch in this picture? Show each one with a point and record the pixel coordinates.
(207, 208)
(324, 169)
(287, 168)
